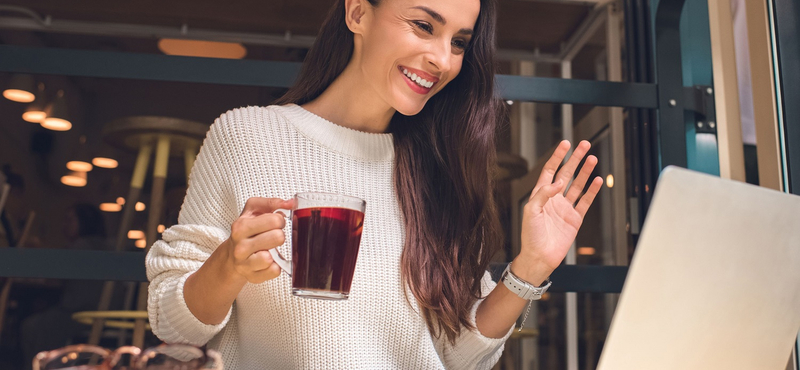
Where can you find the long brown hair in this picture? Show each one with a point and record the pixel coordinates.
(443, 171)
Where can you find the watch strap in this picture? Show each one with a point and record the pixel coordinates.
(522, 288)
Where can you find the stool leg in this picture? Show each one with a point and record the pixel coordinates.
(153, 219)
(137, 182)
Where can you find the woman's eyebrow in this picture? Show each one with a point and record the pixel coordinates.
(438, 17)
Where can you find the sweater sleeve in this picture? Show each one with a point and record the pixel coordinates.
(204, 222)
(472, 349)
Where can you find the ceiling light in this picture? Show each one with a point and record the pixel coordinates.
(161, 228)
(139, 206)
(105, 162)
(135, 234)
(34, 112)
(20, 89)
(110, 207)
(74, 178)
(79, 166)
(57, 114)
(586, 251)
(141, 243)
(197, 48)
(80, 158)
(34, 115)
(105, 157)
(121, 201)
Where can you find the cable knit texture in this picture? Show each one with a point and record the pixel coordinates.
(275, 152)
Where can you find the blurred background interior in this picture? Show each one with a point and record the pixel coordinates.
(71, 133)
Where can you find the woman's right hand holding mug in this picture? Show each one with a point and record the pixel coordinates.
(253, 234)
(244, 257)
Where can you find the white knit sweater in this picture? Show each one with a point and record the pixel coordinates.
(275, 152)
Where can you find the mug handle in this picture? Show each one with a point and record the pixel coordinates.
(286, 265)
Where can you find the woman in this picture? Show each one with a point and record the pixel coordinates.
(395, 106)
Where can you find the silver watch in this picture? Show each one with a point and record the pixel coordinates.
(522, 288)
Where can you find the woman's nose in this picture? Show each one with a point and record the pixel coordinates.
(439, 56)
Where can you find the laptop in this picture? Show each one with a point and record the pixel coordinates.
(714, 282)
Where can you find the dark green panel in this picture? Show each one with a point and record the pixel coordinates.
(282, 74)
(72, 264)
(129, 266)
(558, 90)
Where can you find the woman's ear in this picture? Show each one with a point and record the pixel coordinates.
(354, 13)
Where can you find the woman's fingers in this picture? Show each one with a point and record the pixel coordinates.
(269, 273)
(269, 239)
(254, 234)
(261, 267)
(540, 198)
(257, 263)
(568, 170)
(261, 242)
(551, 166)
(588, 198)
(577, 186)
(247, 227)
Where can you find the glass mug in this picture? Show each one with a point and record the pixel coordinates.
(163, 357)
(326, 234)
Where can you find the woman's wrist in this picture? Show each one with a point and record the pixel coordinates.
(224, 266)
(530, 269)
(211, 290)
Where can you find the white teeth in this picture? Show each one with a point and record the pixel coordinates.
(419, 80)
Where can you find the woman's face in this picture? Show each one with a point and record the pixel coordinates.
(411, 49)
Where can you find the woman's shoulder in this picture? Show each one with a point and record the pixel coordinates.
(253, 116)
(250, 124)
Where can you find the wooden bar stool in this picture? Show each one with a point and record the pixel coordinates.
(171, 137)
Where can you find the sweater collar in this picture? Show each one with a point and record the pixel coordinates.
(353, 143)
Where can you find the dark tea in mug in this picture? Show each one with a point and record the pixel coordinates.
(325, 244)
(326, 234)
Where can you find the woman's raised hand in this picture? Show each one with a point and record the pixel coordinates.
(551, 219)
(253, 234)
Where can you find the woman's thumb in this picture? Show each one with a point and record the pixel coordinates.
(544, 194)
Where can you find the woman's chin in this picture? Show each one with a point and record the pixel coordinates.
(410, 108)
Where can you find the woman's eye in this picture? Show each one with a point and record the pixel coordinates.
(460, 44)
(424, 26)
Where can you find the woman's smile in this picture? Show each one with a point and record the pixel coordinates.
(419, 81)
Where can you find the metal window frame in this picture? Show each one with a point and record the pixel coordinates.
(785, 28)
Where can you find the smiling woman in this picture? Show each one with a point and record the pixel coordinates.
(394, 105)
(443, 134)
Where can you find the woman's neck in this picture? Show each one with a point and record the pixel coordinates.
(349, 102)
